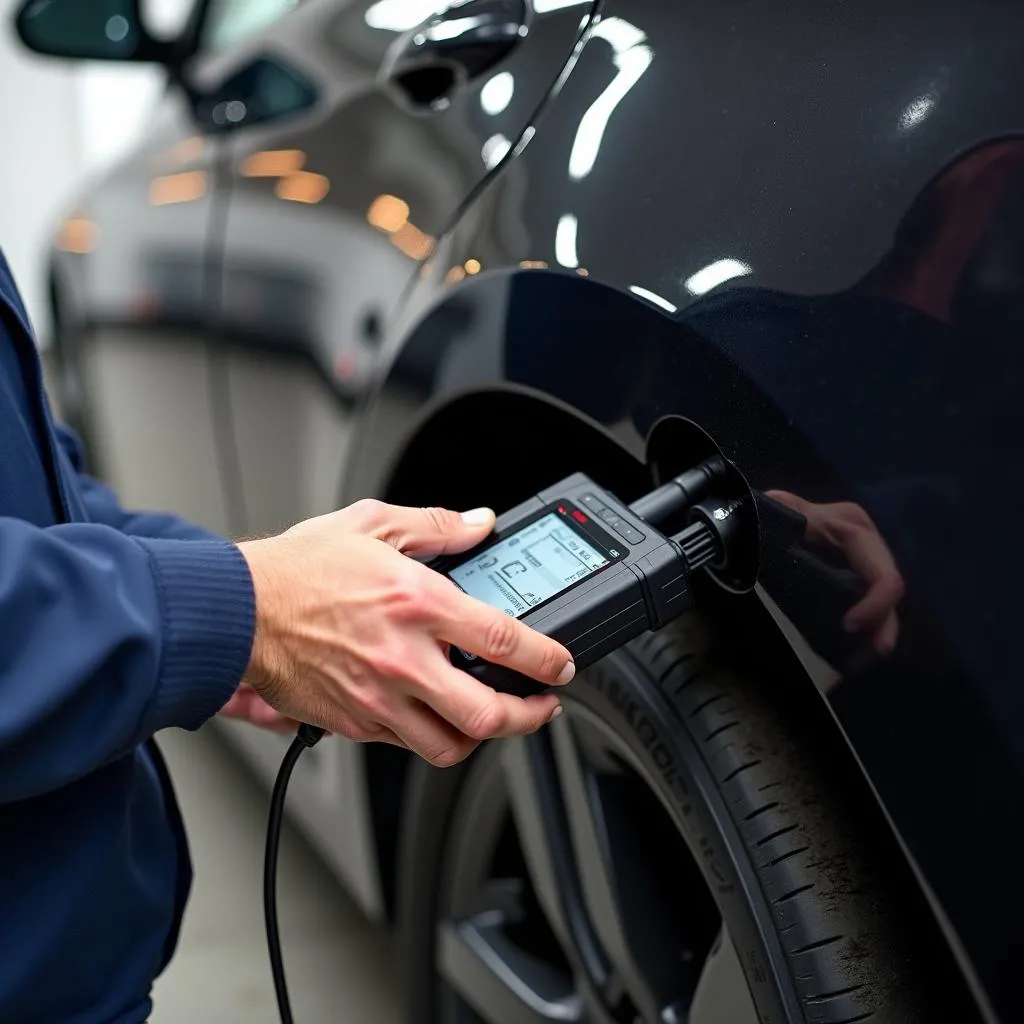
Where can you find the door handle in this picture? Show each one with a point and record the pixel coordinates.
(429, 63)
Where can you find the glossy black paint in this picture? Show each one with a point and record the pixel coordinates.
(851, 175)
(865, 167)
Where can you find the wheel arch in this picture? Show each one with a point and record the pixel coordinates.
(418, 476)
(535, 354)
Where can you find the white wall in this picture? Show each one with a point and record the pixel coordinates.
(59, 123)
(41, 158)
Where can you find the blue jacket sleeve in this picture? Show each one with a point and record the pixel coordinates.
(104, 507)
(106, 639)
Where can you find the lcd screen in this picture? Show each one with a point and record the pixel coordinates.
(530, 566)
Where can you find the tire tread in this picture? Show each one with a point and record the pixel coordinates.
(818, 877)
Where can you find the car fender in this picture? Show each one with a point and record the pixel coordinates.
(508, 381)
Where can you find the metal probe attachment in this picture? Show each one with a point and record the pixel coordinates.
(681, 492)
(707, 539)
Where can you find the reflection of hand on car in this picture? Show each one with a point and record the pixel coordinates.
(848, 529)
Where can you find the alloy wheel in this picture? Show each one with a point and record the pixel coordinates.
(570, 893)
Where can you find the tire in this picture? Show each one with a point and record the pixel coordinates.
(784, 853)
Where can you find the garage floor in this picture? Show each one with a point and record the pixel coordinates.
(340, 969)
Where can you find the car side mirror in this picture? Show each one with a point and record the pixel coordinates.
(264, 90)
(91, 30)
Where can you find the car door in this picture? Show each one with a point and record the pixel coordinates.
(130, 287)
(331, 212)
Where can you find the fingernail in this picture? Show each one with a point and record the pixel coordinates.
(478, 517)
(554, 714)
(567, 673)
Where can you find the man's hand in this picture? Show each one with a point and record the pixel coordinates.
(248, 706)
(353, 636)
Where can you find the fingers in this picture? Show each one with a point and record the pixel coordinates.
(467, 718)
(848, 527)
(359, 729)
(884, 640)
(481, 713)
(265, 717)
(248, 706)
(446, 720)
(797, 504)
(496, 637)
(440, 713)
(877, 604)
(793, 501)
(869, 556)
(424, 531)
(875, 614)
(433, 739)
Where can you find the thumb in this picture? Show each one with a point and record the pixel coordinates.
(435, 531)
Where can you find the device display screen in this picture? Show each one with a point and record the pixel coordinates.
(530, 566)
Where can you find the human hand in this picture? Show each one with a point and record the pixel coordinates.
(847, 528)
(246, 705)
(353, 636)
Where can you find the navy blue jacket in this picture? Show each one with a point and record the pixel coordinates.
(113, 626)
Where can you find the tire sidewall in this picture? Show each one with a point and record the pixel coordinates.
(620, 692)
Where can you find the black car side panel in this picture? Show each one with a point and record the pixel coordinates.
(801, 227)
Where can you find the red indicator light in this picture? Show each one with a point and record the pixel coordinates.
(561, 510)
(578, 516)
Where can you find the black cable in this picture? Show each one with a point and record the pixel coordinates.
(307, 736)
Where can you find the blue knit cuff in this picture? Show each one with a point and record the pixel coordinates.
(208, 612)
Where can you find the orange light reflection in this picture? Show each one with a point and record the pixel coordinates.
(303, 187)
(388, 213)
(273, 163)
(415, 244)
(177, 188)
(78, 235)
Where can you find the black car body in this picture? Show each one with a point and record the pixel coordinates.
(452, 264)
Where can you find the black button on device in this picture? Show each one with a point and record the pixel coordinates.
(627, 533)
(609, 518)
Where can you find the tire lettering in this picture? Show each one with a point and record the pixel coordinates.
(756, 971)
(661, 754)
(716, 869)
(647, 734)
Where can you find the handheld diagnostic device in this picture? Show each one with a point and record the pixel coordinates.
(578, 565)
(574, 563)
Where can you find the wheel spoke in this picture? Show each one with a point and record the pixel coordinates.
(627, 909)
(547, 846)
(722, 992)
(500, 981)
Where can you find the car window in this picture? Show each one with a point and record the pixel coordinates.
(229, 22)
